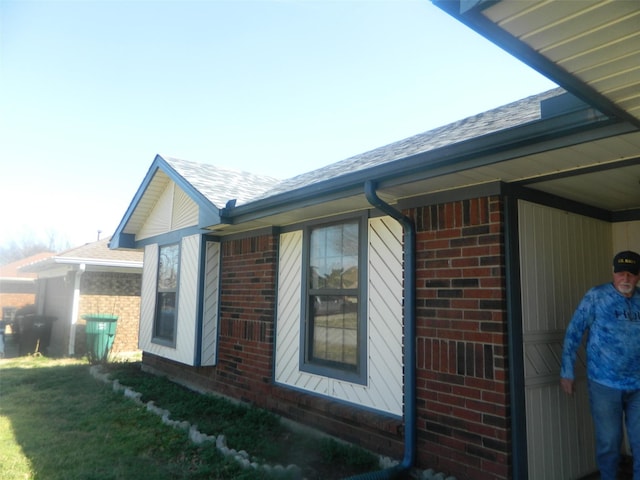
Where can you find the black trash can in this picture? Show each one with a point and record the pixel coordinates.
(34, 333)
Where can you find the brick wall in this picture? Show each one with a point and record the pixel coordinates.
(461, 339)
(111, 293)
(463, 417)
(16, 300)
(247, 311)
(245, 356)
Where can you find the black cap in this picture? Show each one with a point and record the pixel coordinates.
(627, 261)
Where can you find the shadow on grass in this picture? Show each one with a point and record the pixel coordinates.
(60, 423)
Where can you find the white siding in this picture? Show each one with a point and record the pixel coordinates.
(148, 297)
(184, 350)
(562, 255)
(383, 390)
(626, 236)
(188, 300)
(184, 212)
(210, 304)
(174, 210)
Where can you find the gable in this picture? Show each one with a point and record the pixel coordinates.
(174, 210)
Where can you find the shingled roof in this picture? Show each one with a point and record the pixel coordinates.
(94, 253)
(220, 184)
(507, 116)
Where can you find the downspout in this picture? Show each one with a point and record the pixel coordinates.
(402, 470)
(75, 308)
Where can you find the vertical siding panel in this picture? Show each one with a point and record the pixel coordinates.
(148, 297)
(385, 313)
(210, 304)
(561, 255)
(289, 297)
(188, 300)
(383, 390)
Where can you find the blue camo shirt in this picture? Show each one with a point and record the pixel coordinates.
(613, 343)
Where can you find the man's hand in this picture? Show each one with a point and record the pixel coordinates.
(567, 385)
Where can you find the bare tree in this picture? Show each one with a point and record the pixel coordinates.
(30, 244)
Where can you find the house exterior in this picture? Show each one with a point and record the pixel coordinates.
(18, 289)
(88, 279)
(411, 299)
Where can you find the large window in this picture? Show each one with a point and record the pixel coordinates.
(333, 333)
(167, 292)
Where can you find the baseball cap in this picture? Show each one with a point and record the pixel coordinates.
(627, 261)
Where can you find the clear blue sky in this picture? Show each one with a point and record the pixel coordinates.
(91, 91)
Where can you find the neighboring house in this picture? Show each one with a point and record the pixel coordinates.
(89, 279)
(18, 289)
(413, 299)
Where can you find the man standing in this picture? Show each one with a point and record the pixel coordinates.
(611, 315)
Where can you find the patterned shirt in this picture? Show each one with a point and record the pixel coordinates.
(613, 342)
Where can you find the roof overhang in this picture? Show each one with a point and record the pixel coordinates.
(56, 266)
(591, 47)
(582, 156)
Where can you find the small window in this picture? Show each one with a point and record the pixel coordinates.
(167, 292)
(334, 320)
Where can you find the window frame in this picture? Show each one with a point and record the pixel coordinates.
(327, 368)
(161, 291)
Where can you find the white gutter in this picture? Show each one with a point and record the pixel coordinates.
(52, 261)
(75, 309)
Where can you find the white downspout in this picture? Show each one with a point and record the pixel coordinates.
(75, 309)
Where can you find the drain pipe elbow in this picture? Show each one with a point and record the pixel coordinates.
(409, 249)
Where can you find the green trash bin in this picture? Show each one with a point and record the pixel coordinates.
(100, 331)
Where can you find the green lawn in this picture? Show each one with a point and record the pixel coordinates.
(58, 422)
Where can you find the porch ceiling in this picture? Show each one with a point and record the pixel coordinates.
(603, 173)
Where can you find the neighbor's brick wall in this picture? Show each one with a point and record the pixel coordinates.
(463, 414)
(111, 293)
(17, 300)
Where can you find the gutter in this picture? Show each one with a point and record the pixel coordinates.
(402, 470)
(487, 149)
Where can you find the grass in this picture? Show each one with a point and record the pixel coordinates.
(58, 422)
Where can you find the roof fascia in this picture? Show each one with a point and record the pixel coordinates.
(208, 213)
(470, 13)
(540, 135)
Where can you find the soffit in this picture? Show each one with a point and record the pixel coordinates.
(604, 173)
(147, 201)
(589, 47)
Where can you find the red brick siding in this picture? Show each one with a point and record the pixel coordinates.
(463, 415)
(245, 354)
(462, 384)
(247, 309)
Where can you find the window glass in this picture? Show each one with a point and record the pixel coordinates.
(333, 296)
(165, 321)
